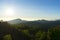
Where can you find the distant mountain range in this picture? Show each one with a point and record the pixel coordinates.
(18, 21)
(43, 24)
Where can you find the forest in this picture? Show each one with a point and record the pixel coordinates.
(22, 31)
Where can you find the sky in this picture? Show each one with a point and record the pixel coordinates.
(29, 9)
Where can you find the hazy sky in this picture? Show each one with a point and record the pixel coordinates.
(30, 9)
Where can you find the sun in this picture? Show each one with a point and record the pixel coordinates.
(9, 11)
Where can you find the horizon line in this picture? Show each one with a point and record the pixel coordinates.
(30, 19)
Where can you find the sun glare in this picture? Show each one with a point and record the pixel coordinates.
(9, 11)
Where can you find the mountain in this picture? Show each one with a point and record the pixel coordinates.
(16, 21)
(43, 24)
(36, 22)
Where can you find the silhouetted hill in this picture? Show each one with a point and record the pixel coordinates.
(36, 23)
(16, 21)
(43, 24)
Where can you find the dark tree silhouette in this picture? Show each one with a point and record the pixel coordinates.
(6, 28)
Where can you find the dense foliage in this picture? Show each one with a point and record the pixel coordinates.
(24, 32)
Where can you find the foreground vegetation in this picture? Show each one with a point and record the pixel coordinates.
(24, 32)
